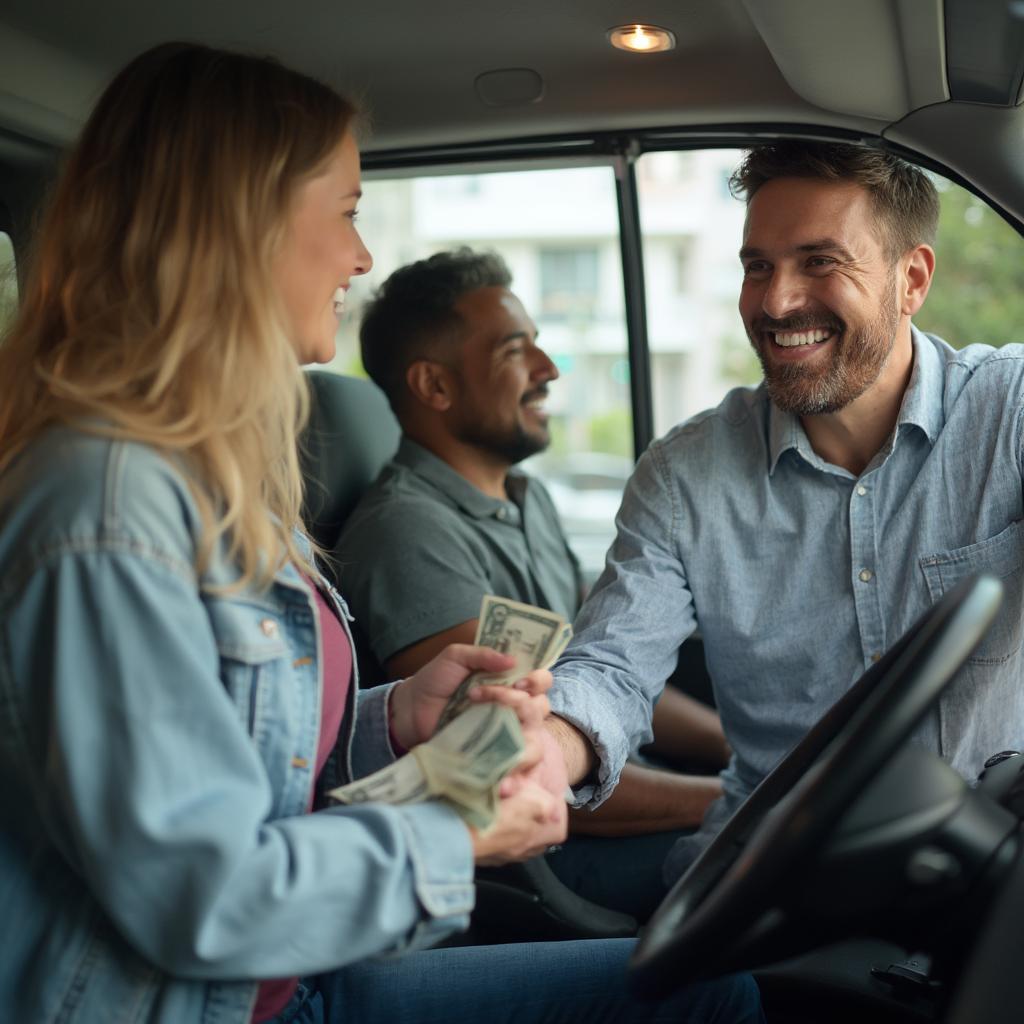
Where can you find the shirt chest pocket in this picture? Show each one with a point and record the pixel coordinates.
(253, 652)
(1001, 556)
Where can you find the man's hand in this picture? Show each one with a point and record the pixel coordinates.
(542, 763)
(417, 702)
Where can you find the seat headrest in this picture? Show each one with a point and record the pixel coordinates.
(351, 433)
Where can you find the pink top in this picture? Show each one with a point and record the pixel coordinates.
(273, 995)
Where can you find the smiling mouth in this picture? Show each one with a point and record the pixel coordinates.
(339, 301)
(798, 339)
(535, 401)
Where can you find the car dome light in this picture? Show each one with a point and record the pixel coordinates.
(641, 38)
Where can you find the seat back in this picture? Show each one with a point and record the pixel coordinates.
(350, 435)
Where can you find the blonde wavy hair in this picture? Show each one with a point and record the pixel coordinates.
(149, 310)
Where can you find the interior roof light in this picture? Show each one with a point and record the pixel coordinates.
(641, 38)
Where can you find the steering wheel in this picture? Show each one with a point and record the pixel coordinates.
(730, 902)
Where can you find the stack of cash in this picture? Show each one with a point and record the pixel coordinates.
(475, 745)
(462, 765)
(533, 636)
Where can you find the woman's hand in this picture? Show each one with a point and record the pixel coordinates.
(540, 781)
(530, 816)
(529, 821)
(417, 702)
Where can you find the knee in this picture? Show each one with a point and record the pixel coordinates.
(734, 999)
(740, 1001)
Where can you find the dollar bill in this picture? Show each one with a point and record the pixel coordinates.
(461, 765)
(535, 637)
(402, 782)
(475, 745)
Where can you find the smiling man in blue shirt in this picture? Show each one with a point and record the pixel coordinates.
(805, 524)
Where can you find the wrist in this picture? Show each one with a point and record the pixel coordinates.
(481, 845)
(577, 751)
(400, 731)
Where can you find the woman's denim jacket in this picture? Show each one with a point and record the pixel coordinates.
(158, 744)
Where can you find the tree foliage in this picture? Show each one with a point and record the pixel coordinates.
(977, 294)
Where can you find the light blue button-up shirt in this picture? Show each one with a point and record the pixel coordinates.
(798, 574)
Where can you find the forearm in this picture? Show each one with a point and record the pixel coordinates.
(647, 800)
(628, 632)
(686, 729)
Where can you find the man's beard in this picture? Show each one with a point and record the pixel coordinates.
(511, 442)
(856, 360)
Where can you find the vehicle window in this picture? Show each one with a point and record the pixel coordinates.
(691, 235)
(977, 294)
(8, 282)
(558, 231)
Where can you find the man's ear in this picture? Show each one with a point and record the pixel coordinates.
(430, 384)
(918, 267)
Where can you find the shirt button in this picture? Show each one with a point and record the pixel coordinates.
(876, 656)
(502, 512)
(865, 575)
(268, 627)
(862, 490)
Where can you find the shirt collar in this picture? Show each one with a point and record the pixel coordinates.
(922, 401)
(784, 432)
(426, 465)
(921, 406)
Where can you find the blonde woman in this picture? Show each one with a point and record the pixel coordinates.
(176, 677)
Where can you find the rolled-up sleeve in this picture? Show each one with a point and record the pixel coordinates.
(628, 632)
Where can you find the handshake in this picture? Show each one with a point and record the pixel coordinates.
(474, 745)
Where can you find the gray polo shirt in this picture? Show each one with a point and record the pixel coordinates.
(424, 545)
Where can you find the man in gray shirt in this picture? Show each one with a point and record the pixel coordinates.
(450, 519)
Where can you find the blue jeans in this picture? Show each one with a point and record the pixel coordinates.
(526, 983)
(620, 872)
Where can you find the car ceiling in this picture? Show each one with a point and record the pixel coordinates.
(877, 68)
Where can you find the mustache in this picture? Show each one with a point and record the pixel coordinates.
(797, 322)
(541, 392)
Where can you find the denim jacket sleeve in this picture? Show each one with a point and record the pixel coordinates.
(629, 630)
(139, 766)
(371, 746)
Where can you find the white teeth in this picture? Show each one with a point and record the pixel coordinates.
(790, 339)
(339, 301)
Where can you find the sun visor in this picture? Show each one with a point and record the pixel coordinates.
(875, 58)
(985, 50)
